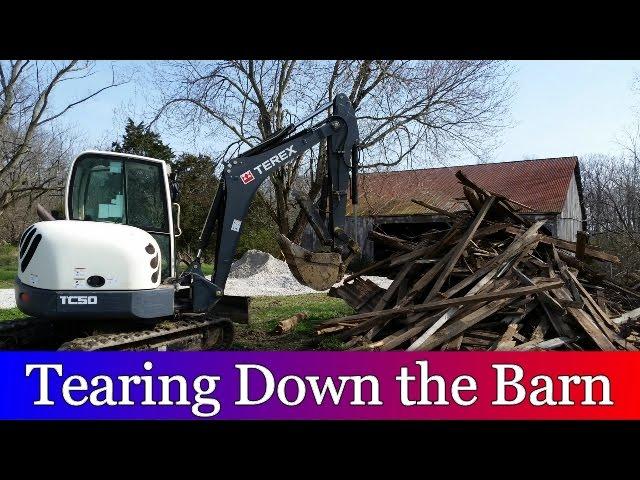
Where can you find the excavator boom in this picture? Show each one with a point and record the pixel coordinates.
(243, 176)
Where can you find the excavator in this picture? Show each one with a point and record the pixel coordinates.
(105, 277)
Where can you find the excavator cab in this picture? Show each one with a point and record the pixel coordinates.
(128, 190)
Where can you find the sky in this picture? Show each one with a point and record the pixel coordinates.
(560, 108)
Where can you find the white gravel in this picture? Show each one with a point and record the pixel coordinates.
(260, 274)
(255, 274)
(7, 299)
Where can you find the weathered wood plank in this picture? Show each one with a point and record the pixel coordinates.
(506, 341)
(581, 244)
(551, 344)
(590, 327)
(513, 294)
(424, 280)
(395, 340)
(588, 297)
(472, 198)
(626, 317)
(454, 344)
(460, 247)
(391, 291)
(504, 207)
(458, 326)
(570, 246)
(441, 211)
(393, 242)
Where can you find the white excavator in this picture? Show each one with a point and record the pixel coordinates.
(105, 276)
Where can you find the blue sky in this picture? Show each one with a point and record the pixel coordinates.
(560, 108)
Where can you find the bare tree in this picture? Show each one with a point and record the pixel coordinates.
(29, 165)
(408, 111)
(611, 187)
(45, 164)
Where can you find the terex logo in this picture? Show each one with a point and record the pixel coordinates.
(247, 177)
(273, 161)
(79, 299)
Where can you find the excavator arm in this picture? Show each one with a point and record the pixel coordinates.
(239, 183)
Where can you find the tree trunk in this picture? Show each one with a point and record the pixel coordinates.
(282, 207)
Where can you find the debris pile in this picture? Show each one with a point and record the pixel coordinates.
(492, 281)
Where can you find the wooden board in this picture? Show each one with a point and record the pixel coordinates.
(570, 246)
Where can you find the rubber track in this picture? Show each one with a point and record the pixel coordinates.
(25, 332)
(137, 340)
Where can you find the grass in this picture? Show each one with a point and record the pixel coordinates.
(207, 269)
(11, 314)
(8, 265)
(266, 312)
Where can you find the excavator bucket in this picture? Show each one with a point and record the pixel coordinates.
(316, 270)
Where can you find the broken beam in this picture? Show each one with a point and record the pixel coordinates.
(570, 246)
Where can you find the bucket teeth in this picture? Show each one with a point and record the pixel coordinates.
(319, 271)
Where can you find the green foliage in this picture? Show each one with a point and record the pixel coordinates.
(139, 140)
(207, 268)
(198, 184)
(260, 231)
(7, 277)
(8, 255)
(8, 265)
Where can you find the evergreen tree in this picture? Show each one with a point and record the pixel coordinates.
(198, 184)
(139, 140)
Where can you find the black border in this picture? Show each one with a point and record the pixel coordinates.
(406, 30)
(321, 441)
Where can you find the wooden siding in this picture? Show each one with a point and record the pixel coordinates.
(569, 222)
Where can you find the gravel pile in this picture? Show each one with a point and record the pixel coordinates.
(257, 273)
(7, 299)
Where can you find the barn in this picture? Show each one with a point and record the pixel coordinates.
(548, 188)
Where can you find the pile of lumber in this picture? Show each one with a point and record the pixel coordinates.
(493, 280)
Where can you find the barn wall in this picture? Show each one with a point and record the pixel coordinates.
(569, 221)
(552, 223)
(364, 226)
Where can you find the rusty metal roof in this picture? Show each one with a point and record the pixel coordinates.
(541, 184)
